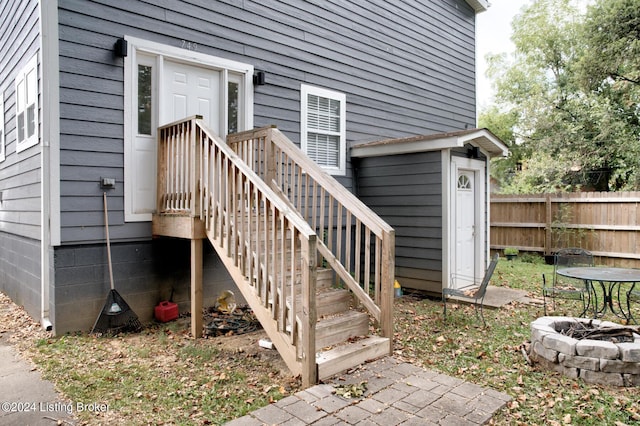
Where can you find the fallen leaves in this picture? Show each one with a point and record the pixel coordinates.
(492, 357)
(234, 375)
(159, 376)
(353, 390)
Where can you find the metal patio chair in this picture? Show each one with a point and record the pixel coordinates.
(473, 294)
(633, 298)
(559, 287)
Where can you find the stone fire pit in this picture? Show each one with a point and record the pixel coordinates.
(613, 361)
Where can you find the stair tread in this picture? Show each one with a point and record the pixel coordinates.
(348, 316)
(349, 347)
(351, 354)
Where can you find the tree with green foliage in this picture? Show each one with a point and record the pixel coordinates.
(570, 121)
(502, 125)
(610, 69)
(611, 33)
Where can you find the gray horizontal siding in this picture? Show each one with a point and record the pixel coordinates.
(386, 59)
(19, 172)
(406, 191)
(405, 67)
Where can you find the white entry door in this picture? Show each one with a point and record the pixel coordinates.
(190, 90)
(465, 229)
(164, 84)
(184, 90)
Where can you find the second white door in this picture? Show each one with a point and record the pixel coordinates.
(465, 253)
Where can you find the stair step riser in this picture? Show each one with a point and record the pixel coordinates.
(337, 360)
(330, 303)
(333, 303)
(323, 281)
(337, 330)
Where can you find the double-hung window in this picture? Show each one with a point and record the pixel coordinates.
(323, 127)
(27, 105)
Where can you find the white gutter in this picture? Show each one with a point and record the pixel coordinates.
(50, 154)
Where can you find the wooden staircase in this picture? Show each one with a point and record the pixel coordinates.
(343, 338)
(325, 302)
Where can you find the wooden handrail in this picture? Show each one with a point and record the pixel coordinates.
(255, 232)
(357, 244)
(338, 191)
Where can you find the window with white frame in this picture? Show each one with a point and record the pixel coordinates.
(1, 127)
(323, 127)
(27, 105)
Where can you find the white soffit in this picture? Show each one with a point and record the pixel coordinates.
(482, 138)
(478, 5)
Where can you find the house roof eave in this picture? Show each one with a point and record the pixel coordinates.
(479, 5)
(487, 141)
(481, 138)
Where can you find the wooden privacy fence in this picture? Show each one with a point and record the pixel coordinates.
(605, 223)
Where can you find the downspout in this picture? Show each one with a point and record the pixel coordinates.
(50, 154)
(445, 161)
(487, 209)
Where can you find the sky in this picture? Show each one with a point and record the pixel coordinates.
(493, 35)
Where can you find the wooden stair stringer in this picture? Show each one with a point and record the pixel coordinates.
(280, 340)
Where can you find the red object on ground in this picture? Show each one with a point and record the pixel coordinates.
(166, 311)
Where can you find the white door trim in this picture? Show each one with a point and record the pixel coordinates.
(479, 169)
(177, 54)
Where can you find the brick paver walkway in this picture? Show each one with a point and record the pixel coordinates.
(397, 393)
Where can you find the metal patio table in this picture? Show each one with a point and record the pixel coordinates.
(610, 280)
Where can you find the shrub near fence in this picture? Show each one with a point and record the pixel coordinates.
(605, 223)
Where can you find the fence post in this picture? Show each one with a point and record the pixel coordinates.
(549, 222)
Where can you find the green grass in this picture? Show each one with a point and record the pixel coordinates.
(160, 376)
(492, 357)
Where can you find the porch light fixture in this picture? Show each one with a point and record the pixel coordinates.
(259, 78)
(120, 48)
(473, 152)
